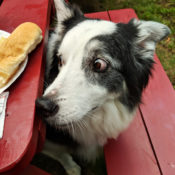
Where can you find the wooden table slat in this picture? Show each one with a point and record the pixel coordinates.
(98, 15)
(158, 109)
(131, 153)
(159, 115)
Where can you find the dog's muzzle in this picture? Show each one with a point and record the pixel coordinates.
(46, 107)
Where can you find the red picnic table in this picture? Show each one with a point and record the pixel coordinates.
(147, 147)
(23, 132)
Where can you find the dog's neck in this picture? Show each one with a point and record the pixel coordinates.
(106, 122)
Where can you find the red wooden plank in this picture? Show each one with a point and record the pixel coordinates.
(131, 153)
(32, 170)
(21, 103)
(123, 15)
(26, 159)
(158, 110)
(159, 114)
(99, 15)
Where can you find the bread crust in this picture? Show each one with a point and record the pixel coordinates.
(15, 48)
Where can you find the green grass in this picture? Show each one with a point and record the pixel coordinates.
(161, 11)
(158, 10)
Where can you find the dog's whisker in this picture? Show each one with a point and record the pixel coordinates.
(84, 123)
(72, 127)
(69, 128)
(78, 125)
(90, 115)
(45, 83)
(82, 126)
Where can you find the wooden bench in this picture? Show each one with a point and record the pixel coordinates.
(147, 147)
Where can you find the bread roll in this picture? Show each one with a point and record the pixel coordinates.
(15, 48)
(2, 39)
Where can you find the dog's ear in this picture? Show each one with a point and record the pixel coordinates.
(141, 38)
(148, 34)
(65, 11)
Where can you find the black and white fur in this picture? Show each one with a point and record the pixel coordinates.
(91, 105)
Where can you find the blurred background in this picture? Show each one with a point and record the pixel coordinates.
(158, 10)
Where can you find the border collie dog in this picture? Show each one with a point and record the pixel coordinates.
(96, 71)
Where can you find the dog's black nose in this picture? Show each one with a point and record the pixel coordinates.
(46, 107)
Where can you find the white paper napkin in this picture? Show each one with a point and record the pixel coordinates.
(3, 102)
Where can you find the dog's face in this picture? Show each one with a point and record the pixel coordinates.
(98, 61)
(87, 71)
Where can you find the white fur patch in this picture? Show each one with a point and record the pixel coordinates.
(76, 39)
(63, 12)
(76, 96)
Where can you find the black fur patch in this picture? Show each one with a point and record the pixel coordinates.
(133, 69)
(54, 67)
(77, 17)
(60, 137)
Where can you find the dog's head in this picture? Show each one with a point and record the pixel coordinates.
(98, 61)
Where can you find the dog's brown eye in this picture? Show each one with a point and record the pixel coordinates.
(100, 65)
(60, 62)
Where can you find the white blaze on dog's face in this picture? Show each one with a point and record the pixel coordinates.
(75, 95)
(99, 61)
